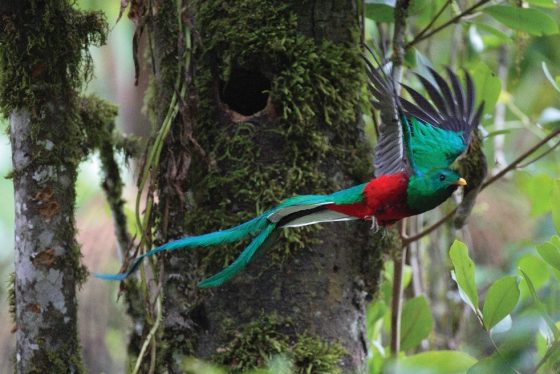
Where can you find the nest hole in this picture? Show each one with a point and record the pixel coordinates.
(246, 91)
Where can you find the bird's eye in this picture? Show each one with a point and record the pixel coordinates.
(441, 177)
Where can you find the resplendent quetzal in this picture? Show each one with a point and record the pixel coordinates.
(414, 171)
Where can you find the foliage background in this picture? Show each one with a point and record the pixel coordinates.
(511, 218)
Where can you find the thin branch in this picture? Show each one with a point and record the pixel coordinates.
(519, 159)
(521, 166)
(453, 20)
(409, 239)
(513, 165)
(439, 13)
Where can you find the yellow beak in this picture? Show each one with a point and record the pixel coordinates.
(461, 182)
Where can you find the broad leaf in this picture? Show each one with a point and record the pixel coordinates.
(538, 188)
(540, 306)
(416, 322)
(487, 84)
(498, 34)
(549, 77)
(491, 364)
(535, 268)
(532, 21)
(551, 4)
(500, 300)
(550, 253)
(556, 205)
(375, 311)
(380, 12)
(464, 274)
(435, 362)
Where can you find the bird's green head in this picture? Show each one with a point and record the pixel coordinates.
(427, 190)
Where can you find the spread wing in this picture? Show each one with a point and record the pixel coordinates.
(418, 136)
(390, 149)
(451, 114)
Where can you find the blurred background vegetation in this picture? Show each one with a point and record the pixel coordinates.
(511, 219)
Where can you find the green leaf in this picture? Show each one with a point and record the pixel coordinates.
(435, 362)
(500, 300)
(556, 205)
(380, 12)
(492, 364)
(551, 4)
(532, 21)
(549, 77)
(464, 274)
(416, 322)
(550, 253)
(540, 306)
(376, 310)
(538, 188)
(487, 84)
(499, 34)
(536, 269)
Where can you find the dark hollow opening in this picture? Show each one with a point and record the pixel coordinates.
(244, 92)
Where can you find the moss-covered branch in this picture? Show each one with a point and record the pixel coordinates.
(44, 61)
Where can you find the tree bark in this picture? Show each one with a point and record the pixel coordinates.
(41, 61)
(46, 271)
(307, 293)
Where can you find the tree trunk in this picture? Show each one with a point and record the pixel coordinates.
(41, 58)
(277, 86)
(47, 257)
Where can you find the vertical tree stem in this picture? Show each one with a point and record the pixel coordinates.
(401, 11)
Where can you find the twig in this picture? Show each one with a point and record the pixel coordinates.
(150, 336)
(439, 13)
(521, 166)
(453, 20)
(519, 159)
(409, 239)
(513, 165)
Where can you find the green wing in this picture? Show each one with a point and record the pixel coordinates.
(431, 134)
(429, 147)
(436, 135)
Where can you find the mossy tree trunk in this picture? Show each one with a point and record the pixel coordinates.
(276, 89)
(41, 57)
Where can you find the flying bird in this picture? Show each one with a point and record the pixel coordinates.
(415, 170)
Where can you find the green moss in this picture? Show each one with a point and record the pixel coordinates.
(60, 360)
(255, 343)
(97, 118)
(314, 89)
(12, 295)
(44, 60)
